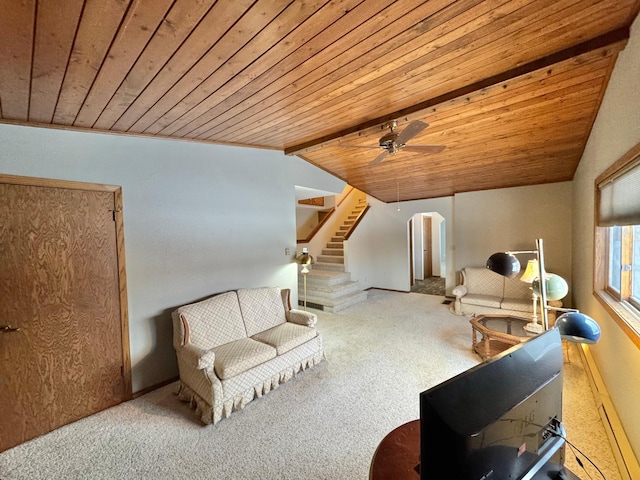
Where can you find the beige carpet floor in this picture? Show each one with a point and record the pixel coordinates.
(324, 424)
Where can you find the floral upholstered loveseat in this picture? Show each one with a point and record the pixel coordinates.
(238, 345)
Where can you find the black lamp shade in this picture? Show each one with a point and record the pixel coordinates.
(578, 328)
(504, 264)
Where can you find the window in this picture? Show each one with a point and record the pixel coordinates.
(617, 242)
(623, 278)
(635, 272)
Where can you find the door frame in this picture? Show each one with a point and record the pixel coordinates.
(412, 272)
(427, 246)
(120, 254)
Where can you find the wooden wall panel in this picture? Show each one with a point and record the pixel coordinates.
(183, 17)
(16, 39)
(207, 33)
(100, 22)
(307, 76)
(140, 24)
(56, 27)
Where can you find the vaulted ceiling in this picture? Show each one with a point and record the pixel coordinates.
(511, 88)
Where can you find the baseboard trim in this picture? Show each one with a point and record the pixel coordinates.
(386, 290)
(144, 391)
(622, 451)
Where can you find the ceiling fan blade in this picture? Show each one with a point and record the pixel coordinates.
(379, 158)
(423, 148)
(411, 131)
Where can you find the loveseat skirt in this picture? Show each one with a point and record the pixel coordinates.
(215, 399)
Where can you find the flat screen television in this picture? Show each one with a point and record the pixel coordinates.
(499, 420)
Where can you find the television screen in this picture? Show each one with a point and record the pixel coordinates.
(497, 420)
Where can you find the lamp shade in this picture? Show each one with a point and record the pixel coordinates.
(504, 264)
(557, 287)
(304, 258)
(578, 328)
(532, 271)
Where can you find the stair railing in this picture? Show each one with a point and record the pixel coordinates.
(317, 227)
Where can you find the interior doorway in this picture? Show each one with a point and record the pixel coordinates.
(427, 253)
(427, 247)
(64, 345)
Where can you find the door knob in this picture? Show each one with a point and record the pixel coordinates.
(8, 328)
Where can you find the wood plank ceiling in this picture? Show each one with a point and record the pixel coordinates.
(510, 87)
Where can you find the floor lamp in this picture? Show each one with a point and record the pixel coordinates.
(530, 274)
(573, 326)
(305, 259)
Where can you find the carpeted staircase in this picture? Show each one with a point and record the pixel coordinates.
(329, 287)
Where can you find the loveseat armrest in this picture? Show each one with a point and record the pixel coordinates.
(460, 291)
(199, 358)
(302, 317)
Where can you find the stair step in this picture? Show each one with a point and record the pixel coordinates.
(339, 303)
(331, 259)
(329, 292)
(324, 278)
(328, 286)
(335, 267)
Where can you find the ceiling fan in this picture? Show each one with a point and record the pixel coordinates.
(393, 141)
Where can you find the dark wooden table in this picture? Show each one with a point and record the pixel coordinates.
(398, 455)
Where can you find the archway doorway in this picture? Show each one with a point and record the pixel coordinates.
(428, 260)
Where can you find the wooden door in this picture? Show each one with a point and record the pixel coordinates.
(64, 351)
(428, 247)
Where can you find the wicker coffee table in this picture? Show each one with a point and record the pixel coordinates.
(493, 334)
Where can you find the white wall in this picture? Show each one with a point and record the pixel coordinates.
(198, 219)
(476, 225)
(306, 220)
(512, 219)
(615, 131)
(379, 248)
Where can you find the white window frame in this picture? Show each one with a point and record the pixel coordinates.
(620, 304)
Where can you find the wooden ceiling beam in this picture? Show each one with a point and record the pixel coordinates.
(615, 41)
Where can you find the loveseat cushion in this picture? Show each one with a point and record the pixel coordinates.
(286, 336)
(481, 300)
(239, 356)
(516, 288)
(212, 322)
(483, 281)
(262, 308)
(517, 304)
